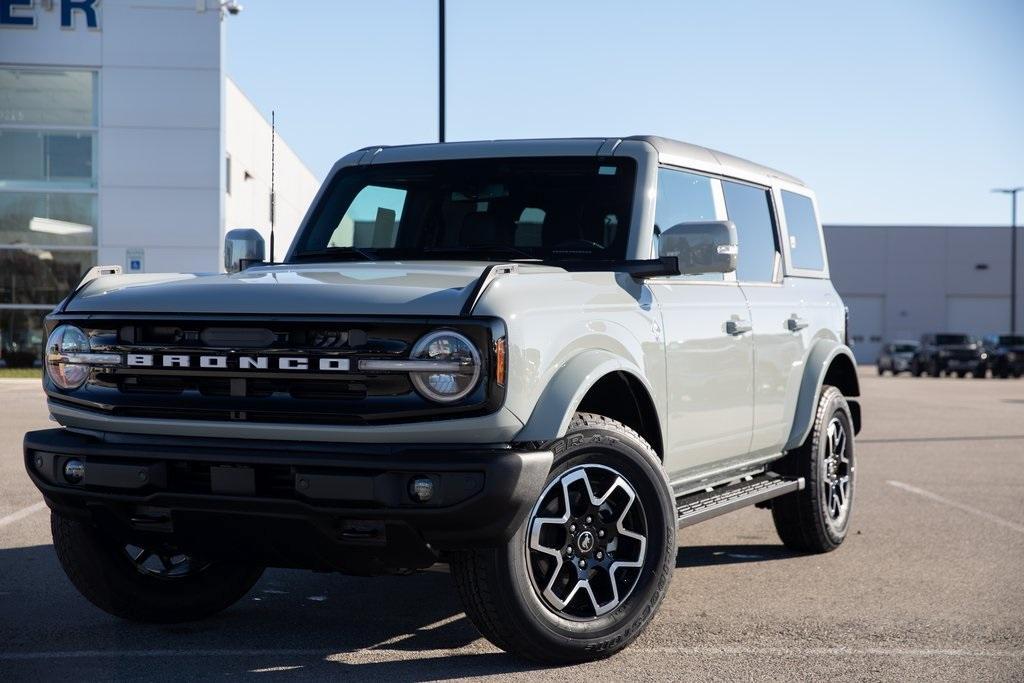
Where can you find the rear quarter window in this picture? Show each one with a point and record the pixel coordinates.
(804, 234)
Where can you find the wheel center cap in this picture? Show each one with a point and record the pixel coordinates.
(585, 541)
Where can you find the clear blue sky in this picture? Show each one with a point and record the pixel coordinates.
(895, 111)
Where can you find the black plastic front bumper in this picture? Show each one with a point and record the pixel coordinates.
(323, 506)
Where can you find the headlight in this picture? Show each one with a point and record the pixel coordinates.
(459, 370)
(65, 340)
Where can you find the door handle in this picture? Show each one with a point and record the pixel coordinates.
(795, 323)
(738, 327)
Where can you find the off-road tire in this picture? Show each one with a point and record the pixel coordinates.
(933, 368)
(980, 372)
(800, 517)
(100, 569)
(495, 586)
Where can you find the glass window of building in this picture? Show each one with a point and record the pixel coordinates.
(48, 198)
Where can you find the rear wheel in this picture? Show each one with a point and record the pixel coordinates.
(159, 584)
(816, 519)
(588, 568)
(980, 372)
(933, 368)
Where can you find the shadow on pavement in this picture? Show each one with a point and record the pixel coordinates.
(312, 615)
(708, 555)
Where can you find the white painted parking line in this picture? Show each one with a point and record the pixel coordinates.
(22, 513)
(350, 655)
(1019, 528)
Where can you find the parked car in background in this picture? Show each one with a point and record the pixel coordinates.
(948, 354)
(897, 356)
(1005, 354)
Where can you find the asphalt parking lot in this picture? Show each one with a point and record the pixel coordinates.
(927, 586)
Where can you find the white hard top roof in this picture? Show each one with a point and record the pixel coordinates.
(675, 151)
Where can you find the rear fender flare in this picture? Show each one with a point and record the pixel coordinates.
(823, 354)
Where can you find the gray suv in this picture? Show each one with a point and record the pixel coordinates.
(532, 360)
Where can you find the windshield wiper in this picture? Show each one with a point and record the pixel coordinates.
(337, 254)
(485, 250)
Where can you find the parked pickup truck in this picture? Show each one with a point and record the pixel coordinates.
(531, 360)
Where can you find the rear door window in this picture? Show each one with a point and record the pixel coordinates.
(804, 235)
(748, 207)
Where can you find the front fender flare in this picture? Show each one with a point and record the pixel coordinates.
(823, 353)
(554, 410)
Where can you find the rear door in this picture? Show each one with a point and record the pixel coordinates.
(709, 370)
(780, 329)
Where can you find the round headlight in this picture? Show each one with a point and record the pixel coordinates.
(64, 340)
(453, 382)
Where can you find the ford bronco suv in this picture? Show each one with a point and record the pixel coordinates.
(531, 360)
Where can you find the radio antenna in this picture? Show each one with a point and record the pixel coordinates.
(273, 135)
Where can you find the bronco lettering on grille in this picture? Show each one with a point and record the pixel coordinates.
(288, 363)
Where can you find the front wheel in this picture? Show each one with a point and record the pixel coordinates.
(159, 585)
(816, 519)
(589, 567)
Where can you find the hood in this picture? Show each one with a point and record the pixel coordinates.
(378, 288)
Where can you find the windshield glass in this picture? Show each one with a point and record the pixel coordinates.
(480, 209)
(904, 348)
(1011, 340)
(951, 339)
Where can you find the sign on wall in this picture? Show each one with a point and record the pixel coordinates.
(22, 13)
(135, 260)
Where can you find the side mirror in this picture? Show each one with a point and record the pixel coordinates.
(709, 247)
(242, 248)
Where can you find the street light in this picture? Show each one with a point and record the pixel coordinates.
(440, 70)
(1012, 191)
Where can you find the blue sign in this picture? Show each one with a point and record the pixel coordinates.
(21, 12)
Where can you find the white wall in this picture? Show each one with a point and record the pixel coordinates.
(248, 206)
(928, 278)
(159, 139)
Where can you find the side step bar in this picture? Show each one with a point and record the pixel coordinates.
(698, 507)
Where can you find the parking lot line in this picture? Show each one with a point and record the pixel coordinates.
(1019, 528)
(349, 655)
(22, 513)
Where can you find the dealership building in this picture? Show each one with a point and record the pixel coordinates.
(122, 141)
(902, 281)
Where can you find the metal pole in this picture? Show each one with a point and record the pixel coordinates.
(1013, 262)
(440, 70)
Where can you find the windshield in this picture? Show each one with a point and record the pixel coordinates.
(546, 209)
(1011, 340)
(952, 339)
(904, 348)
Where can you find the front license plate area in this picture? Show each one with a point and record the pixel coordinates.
(235, 481)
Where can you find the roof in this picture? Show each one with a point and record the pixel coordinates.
(669, 151)
(704, 155)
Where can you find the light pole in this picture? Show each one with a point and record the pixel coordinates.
(1012, 191)
(440, 70)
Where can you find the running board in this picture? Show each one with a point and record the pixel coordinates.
(698, 507)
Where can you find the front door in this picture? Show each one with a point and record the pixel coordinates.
(709, 354)
(708, 343)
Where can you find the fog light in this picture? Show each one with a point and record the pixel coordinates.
(421, 489)
(74, 470)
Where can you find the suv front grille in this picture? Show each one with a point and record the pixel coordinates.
(271, 392)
